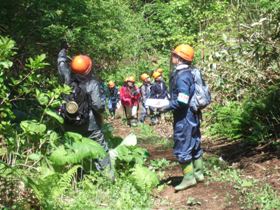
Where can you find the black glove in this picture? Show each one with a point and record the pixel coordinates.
(164, 109)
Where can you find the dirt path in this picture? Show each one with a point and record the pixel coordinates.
(207, 195)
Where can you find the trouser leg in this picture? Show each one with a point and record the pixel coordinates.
(186, 141)
(114, 107)
(134, 116)
(128, 111)
(154, 116)
(143, 113)
(98, 136)
(105, 163)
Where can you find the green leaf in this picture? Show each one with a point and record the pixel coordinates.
(37, 62)
(34, 156)
(53, 136)
(76, 152)
(6, 64)
(73, 136)
(42, 98)
(54, 115)
(59, 156)
(33, 127)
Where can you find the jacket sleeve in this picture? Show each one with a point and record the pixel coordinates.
(143, 93)
(95, 95)
(183, 85)
(63, 67)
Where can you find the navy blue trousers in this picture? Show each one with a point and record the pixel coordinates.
(187, 138)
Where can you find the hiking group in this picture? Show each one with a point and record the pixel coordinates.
(187, 95)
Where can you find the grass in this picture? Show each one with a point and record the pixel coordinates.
(147, 135)
(96, 192)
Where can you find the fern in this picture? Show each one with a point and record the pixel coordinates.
(76, 152)
(131, 154)
(48, 189)
(64, 182)
(143, 178)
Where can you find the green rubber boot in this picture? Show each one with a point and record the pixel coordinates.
(188, 179)
(198, 169)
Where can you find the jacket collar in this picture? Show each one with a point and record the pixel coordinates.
(181, 66)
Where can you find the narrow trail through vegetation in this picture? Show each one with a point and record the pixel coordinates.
(236, 48)
(259, 164)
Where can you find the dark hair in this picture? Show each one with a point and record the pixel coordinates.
(184, 61)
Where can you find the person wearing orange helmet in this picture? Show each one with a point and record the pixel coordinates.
(83, 107)
(159, 70)
(130, 96)
(158, 91)
(145, 90)
(113, 98)
(187, 137)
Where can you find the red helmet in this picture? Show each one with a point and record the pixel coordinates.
(81, 64)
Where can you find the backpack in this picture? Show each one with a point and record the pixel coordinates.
(201, 97)
(77, 105)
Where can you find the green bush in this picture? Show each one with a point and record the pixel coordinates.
(255, 119)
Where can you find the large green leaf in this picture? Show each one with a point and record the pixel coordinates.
(35, 156)
(77, 151)
(54, 115)
(33, 127)
(59, 156)
(73, 136)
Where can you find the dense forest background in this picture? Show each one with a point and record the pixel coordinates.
(237, 46)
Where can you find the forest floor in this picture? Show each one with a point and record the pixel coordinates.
(259, 163)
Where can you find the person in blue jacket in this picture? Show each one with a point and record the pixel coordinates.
(187, 137)
(158, 91)
(113, 98)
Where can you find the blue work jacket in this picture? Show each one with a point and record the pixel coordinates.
(182, 88)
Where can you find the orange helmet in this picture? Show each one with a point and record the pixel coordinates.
(184, 51)
(111, 84)
(144, 76)
(81, 64)
(131, 79)
(160, 70)
(156, 74)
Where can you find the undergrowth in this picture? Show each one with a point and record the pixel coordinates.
(253, 194)
(147, 135)
(256, 120)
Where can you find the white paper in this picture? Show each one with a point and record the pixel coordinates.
(134, 111)
(119, 105)
(157, 103)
